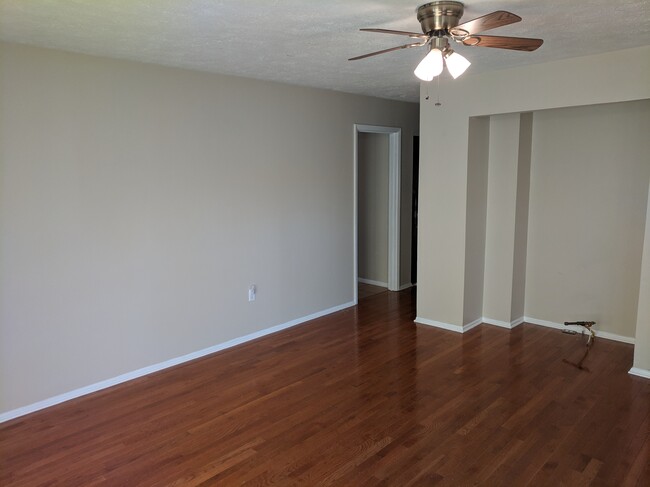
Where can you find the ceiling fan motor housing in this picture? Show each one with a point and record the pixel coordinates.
(439, 17)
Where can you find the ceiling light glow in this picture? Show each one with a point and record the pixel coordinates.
(430, 66)
(456, 64)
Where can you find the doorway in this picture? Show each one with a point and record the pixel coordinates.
(394, 135)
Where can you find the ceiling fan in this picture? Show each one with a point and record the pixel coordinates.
(439, 22)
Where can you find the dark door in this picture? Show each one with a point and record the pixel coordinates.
(414, 220)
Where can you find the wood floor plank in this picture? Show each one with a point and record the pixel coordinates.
(360, 397)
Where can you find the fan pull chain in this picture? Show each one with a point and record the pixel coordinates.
(426, 91)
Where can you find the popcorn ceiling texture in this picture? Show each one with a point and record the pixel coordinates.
(308, 43)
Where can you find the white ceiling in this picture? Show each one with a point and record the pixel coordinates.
(307, 42)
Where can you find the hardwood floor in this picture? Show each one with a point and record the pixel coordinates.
(367, 290)
(361, 397)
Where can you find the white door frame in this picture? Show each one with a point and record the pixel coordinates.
(394, 175)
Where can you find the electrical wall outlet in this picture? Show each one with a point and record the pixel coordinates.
(252, 291)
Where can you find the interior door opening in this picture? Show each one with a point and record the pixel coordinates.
(380, 205)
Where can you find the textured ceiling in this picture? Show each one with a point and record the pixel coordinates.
(307, 42)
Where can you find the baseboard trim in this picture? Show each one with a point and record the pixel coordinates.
(645, 373)
(371, 282)
(503, 324)
(439, 324)
(405, 286)
(560, 326)
(524, 319)
(517, 322)
(471, 325)
(447, 326)
(499, 323)
(82, 391)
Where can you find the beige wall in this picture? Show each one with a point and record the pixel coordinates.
(501, 211)
(589, 191)
(477, 174)
(588, 214)
(522, 198)
(138, 203)
(506, 228)
(373, 207)
(443, 281)
(642, 348)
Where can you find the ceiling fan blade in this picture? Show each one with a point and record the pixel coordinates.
(406, 46)
(500, 42)
(414, 35)
(486, 22)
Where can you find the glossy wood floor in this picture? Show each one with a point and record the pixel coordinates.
(366, 290)
(361, 397)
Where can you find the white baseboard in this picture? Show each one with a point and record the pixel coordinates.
(447, 326)
(525, 319)
(645, 373)
(499, 323)
(517, 322)
(374, 283)
(471, 325)
(15, 413)
(613, 336)
(503, 324)
(405, 286)
(439, 324)
(560, 326)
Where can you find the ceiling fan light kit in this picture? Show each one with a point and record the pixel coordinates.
(456, 64)
(430, 66)
(440, 24)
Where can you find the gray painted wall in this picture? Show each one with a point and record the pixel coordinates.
(138, 203)
(642, 350)
(588, 199)
(373, 207)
